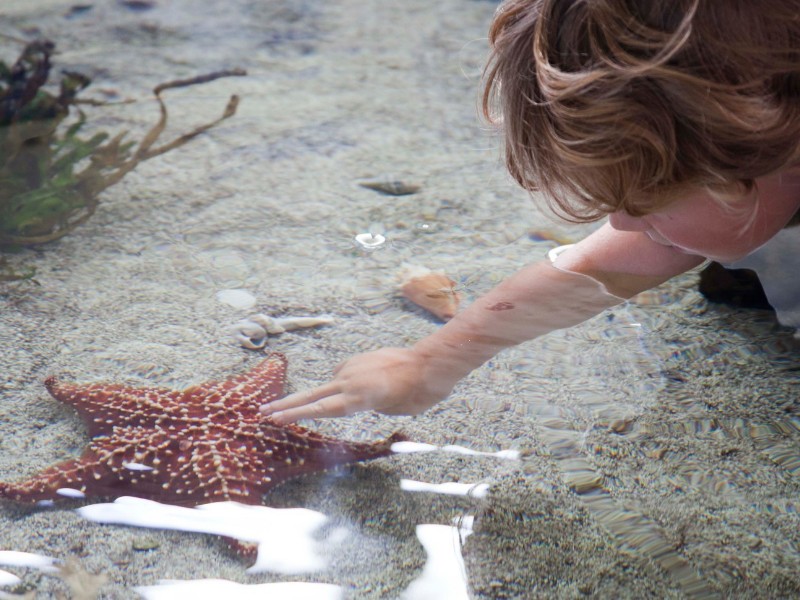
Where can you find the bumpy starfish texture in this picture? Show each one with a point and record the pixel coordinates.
(207, 443)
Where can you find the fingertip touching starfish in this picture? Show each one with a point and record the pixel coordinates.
(207, 443)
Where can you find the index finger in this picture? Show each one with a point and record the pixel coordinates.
(300, 398)
(330, 406)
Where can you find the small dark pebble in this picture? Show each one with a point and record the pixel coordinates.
(145, 543)
(390, 187)
(78, 9)
(138, 4)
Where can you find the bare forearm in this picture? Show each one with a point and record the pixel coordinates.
(595, 274)
(536, 300)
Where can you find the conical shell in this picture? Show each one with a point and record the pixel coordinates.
(432, 290)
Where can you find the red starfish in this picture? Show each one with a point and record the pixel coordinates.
(207, 443)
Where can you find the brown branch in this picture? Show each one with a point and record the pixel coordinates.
(199, 79)
(230, 110)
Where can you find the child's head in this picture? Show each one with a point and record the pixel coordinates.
(612, 105)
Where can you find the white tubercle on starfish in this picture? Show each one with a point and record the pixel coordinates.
(253, 331)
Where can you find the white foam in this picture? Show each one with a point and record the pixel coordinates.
(213, 589)
(12, 558)
(406, 447)
(7, 578)
(70, 493)
(134, 466)
(443, 576)
(285, 536)
(505, 454)
(474, 490)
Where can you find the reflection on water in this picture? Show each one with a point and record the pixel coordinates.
(655, 451)
(201, 264)
(623, 394)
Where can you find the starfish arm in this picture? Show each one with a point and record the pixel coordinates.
(128, 462)
(263, 383)
(298, 451)
(70, 474)
(104, 406)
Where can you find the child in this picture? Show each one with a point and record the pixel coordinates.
(679, 121)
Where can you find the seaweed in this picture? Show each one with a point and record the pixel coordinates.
(50, 174)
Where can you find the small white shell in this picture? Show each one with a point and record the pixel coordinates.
(236, 298)
(252, 332)
(390, 186)
(370, 241)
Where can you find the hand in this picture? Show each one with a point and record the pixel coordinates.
(394, 381)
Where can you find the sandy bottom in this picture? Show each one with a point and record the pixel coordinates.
(660, 441)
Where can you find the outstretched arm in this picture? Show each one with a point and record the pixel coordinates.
(593, 275)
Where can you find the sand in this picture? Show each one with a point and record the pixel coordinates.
(660, 441)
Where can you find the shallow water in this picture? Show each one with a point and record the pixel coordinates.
(659, 442)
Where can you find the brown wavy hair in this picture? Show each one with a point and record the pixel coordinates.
(611, 105)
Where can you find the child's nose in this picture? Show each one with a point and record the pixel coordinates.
(622, 221)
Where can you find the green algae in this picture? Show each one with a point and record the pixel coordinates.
(51, 174)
